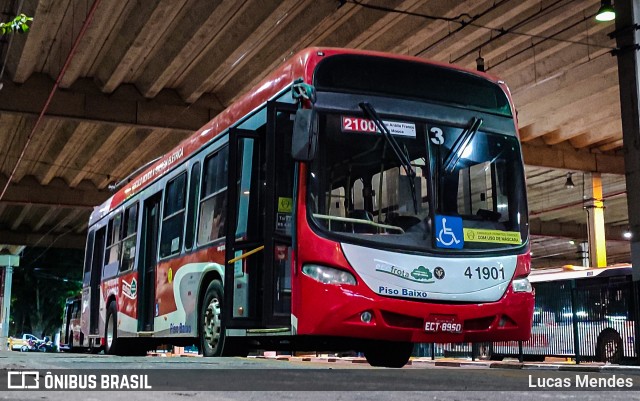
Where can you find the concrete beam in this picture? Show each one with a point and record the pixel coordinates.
(20, 218)
(548, 88)
(569, 159)
(573, 231)
(29, 47)
(30, 192)
(73, 241)
(604, 133)
(497, 16)
(500, 45)
(143, 28)
(235, 44)
(575, 116)
(126, 106)
(186, 42)
(107, 21)
(250, 70)
(48, 215)
(590, 87)
(419, 34)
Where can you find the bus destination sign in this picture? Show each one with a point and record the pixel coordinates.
(357, 124)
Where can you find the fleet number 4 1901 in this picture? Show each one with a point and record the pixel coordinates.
(485, 273)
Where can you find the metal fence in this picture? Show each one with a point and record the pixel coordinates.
(579, 319)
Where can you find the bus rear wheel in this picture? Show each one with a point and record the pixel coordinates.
(211, 330)
(388, 354)
(609, 347)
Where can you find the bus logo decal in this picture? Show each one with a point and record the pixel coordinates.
(420, 275)
(130, 290)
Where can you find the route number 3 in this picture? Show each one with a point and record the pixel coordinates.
(436, 136)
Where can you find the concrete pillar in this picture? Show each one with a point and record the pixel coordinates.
(5, 312)
(627, 39)
(594, 205)
(10, 261)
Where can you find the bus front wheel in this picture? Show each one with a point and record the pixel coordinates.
(388, 354)
(609, 347)
(211, 330)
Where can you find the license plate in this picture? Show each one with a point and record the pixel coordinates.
(443, 324)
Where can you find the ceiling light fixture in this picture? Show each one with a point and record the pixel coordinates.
(627, 234)
(606, 12)
(480, 61)
(569, 184)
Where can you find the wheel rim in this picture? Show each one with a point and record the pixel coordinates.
(110, 331)
(212, 324)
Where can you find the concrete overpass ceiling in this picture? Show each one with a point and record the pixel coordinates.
(144, 75)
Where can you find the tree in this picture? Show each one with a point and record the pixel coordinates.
(45, 279)
(19, 24)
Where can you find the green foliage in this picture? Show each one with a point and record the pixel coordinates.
(42, 283)
(18, 24)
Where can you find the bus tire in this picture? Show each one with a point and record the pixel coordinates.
(111, 341)
(388, 354)
(211, 332)
(609, 347)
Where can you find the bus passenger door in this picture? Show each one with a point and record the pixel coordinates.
(261, 176)
(97, 261)
(244, 229)
(279, 207)
(147, 264)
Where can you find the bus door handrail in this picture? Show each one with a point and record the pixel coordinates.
(357, 221)
(244, 255)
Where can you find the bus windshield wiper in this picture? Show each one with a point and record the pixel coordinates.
(371, 113)
(460, 145)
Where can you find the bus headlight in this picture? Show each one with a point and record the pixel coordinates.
(328, 275)
(522, 285)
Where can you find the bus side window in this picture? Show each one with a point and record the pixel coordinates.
(130, 236)
(76, 310)
(88, 258)
(194, 193)
(213, 207)
(112, 253)
(173, 216)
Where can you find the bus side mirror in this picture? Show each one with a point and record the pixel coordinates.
(305, 135)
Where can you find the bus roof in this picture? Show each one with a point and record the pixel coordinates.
(301, 65)
(576, 272)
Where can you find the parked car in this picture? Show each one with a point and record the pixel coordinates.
(28, 342)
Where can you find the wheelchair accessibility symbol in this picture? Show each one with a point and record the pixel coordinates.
(449, 232)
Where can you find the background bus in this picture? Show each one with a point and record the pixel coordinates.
(602, 314)
(71, 336)
(351, 201)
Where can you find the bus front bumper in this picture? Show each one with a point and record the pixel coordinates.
(356, 312)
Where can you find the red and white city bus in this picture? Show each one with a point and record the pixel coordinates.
(351, 200)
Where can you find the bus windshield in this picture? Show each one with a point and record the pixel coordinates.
(359, 189)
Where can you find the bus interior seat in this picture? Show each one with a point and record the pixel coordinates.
(401, 221)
